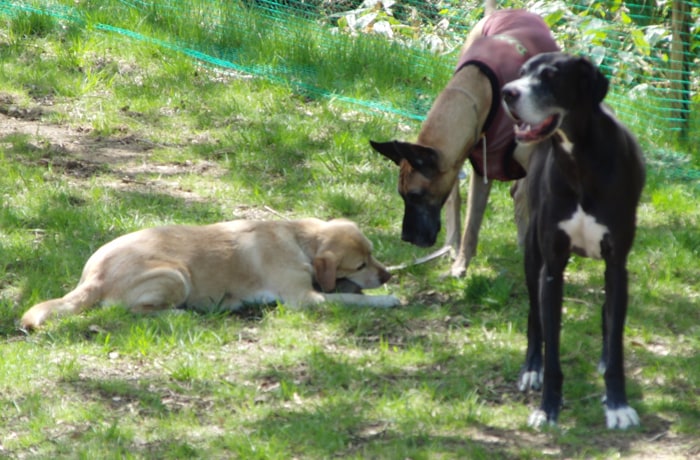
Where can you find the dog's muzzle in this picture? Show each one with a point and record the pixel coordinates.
(421, 225)
(527, 131)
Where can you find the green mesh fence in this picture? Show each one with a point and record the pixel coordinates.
(407, 49)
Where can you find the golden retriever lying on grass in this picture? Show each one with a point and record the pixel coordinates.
(226, 265)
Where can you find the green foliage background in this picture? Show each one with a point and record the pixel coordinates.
(413, 45)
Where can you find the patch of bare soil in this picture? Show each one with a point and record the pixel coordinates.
(80, 154)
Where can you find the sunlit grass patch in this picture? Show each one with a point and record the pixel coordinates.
(104, 135)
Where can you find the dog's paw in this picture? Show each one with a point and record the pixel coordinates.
(539, 419)
(530, 380)
(393, 301)
(621, 418)
(459, 268)
(384, 301)
(602, 367)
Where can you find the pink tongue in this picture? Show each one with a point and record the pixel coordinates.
(528, 132)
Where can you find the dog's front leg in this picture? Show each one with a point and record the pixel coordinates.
(618, 413)
(476, 206)
(531, 373)
(453, 219)
(551, 290)
(363, 300)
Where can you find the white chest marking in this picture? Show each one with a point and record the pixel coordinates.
(585, 233)
(566, 144)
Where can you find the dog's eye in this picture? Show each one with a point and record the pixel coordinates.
(362, 266)
(548, 72)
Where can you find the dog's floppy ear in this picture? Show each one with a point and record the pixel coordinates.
(422, 159)
(594, 79)
(325, 269)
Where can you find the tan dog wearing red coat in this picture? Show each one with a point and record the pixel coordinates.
(467, 121)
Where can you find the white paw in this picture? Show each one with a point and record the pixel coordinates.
(622, 417)
(601, 367)
(530, 380)
(459, 269)
(385, 301)
(538, 419)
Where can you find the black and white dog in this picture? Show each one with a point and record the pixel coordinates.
(584, 182)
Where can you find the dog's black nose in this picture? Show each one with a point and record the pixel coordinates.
(510, 95)
(384, 276)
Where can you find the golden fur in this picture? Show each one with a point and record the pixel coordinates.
(225, 265)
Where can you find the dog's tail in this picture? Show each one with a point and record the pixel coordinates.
(489, 7)
(84, 296)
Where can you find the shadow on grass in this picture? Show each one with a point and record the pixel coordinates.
(392, 409)
(328, 403)
(340, 425)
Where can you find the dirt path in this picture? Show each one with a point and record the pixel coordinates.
(80, 154)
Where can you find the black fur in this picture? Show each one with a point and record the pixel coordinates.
(593, 162)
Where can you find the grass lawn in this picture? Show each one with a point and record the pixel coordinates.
(101, 135)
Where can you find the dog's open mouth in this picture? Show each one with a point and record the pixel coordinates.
(347, 286)
(343, 285)
(527, 133)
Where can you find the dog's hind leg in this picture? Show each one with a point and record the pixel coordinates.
(618, 413)
(551, 291)
(453, 219)
(518, 191)
(156, 289)
(476, 206)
